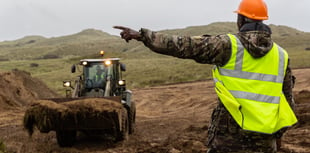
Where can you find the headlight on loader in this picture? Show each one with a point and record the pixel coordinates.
(84, 63)
(107, 63)
(67, 84)
(121, 82)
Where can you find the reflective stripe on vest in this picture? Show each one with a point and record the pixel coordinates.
(251, 89)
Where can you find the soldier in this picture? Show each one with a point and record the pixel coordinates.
(252, 77)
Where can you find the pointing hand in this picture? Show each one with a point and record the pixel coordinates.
(128, 33)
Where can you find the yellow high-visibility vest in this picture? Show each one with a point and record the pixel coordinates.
(251, 89)
(99, 77)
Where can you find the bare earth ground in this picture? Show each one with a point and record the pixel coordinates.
(171, 118)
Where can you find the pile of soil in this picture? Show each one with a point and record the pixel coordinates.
(297, 138)
(303, 108)
(19, 88)
(48, 115)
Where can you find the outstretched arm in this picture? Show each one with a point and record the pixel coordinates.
(203, 49)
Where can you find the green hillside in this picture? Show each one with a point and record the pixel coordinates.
(90, 41)
(51, 58)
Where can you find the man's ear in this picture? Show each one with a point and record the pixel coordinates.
(240, 21)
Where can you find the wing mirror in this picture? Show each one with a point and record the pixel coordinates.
(73, 68)
(123, 67)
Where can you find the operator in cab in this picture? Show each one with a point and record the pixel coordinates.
(99, 78)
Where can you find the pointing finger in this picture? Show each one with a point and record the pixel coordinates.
(120, 27)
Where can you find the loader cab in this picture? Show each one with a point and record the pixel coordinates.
(95, 75)
(102, 77)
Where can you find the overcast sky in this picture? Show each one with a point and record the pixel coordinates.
(52, 18)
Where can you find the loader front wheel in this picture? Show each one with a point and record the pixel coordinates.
(124, 132)
(66, 138)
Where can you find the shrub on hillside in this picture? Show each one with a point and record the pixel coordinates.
(34, 65)
(4, 59)
(50, 56)
(31, 41)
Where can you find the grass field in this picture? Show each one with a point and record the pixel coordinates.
(142, 72)
(144, 68)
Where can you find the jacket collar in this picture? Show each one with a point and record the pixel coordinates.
(255, 26)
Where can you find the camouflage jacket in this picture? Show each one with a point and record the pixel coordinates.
(216, 50)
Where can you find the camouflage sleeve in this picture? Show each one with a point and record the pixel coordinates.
(288, 85)
(203, 49)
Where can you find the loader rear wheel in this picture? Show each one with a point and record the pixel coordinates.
(123, 134)
(66, 138)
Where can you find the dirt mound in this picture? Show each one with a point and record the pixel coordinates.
(18, 88)
(302, 97)
(302, 107)
(47, 115)
(302, 79)
(297, 139)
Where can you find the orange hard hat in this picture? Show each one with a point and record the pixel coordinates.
(253, 9)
